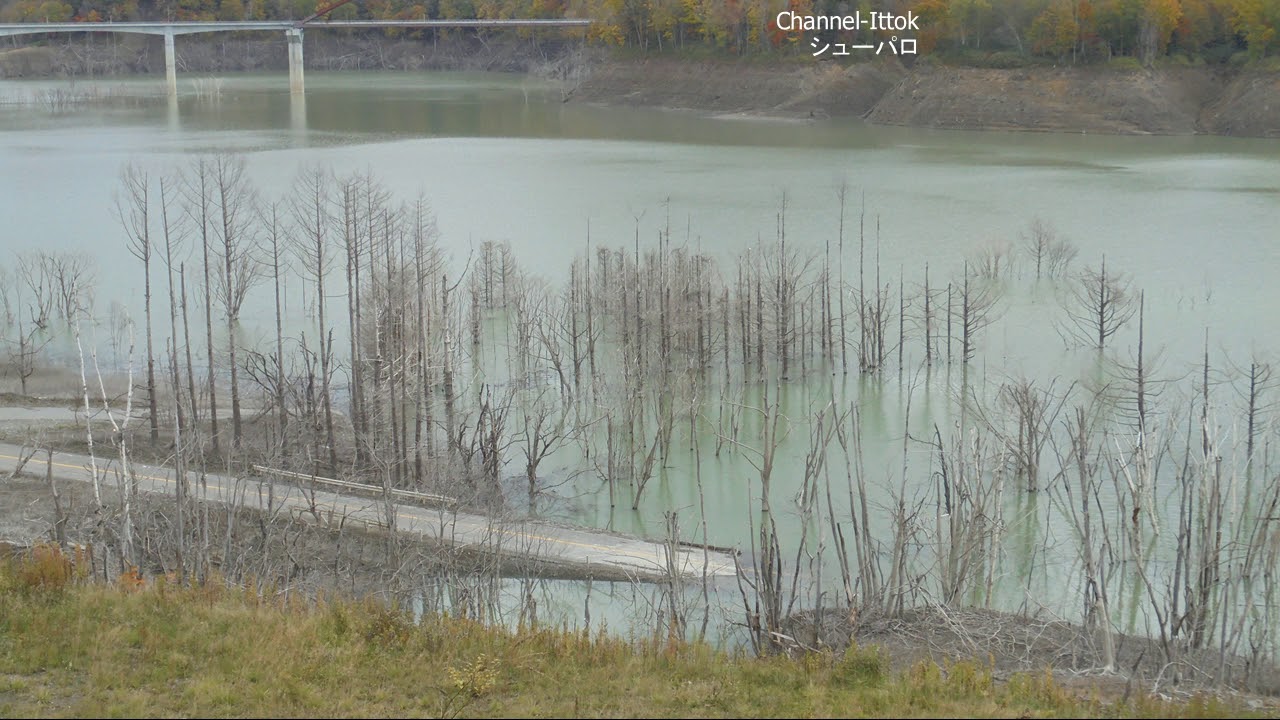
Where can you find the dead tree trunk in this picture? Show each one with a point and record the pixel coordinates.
(134, 213)
(199, 206)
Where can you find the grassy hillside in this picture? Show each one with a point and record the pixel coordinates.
(148, 649)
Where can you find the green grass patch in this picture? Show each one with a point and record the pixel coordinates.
(83, 649)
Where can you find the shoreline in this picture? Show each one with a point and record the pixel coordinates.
(1084, 99)
(1006, 643)
(1091, 99)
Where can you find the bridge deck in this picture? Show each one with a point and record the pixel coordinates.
(190, 28)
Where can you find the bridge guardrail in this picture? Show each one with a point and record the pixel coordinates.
(426, 498)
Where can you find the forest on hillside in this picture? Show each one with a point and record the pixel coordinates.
(1191, 31)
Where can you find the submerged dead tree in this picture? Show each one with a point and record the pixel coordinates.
(1034, 412)
(239, 269)
(198, 184)
(32, 272)
(764, 605)
(978, 300)
(1099, 304)
(1048, 252)
(133, 208)
(275, 249)
(1079, 470)
(26, 348)
(313, 222)
(172, 234)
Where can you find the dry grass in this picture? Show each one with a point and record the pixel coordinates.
(80, 649)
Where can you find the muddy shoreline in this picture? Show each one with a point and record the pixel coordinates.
(1087, 99)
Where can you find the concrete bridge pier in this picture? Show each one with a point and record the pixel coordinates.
(175, 123)
(170, 64)
(294, 36)
(298, 113)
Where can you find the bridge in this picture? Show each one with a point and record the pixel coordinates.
(292, 30)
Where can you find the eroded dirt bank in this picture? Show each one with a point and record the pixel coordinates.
(1065, 100)
(1172, 101)
(804, 89)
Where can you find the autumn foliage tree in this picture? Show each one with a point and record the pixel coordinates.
(1055, 31)
(1156, 24)
(1061, 30)
(1256, 21)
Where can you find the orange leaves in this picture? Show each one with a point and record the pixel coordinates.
(1055, 31)
(45, 568)
(131, 580)
(1163, 16)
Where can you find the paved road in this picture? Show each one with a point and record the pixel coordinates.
(557, 548)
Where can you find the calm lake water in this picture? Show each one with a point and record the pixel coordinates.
(1193, 219)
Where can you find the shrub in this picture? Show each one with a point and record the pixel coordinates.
(131, 580)
(928, 60)
(335, 622)
(860, 667)
(1181, 60)
(1124, 64)
(1037, 689)
(476, 678)
(45, 569)
(969, 677)
(1006, 60)
(385, 625)
(1217, 53)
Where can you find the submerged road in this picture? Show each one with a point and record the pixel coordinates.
(540, 548)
